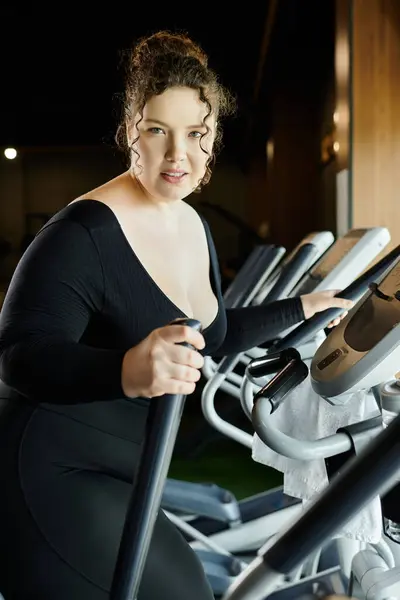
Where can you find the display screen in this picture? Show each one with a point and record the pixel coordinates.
(338, 251)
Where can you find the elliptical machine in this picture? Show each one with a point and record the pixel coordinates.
(225, 532)
(374, 471)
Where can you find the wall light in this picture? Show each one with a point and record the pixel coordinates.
(270, 150)
(10, 153)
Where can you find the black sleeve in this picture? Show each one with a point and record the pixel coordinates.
(56, 288)
(251, 326)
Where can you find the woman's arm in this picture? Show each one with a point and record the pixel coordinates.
(251, 326)
(56, 288)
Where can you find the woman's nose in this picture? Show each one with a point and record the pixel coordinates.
(176, 151)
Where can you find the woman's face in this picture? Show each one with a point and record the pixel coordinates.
(172, 151)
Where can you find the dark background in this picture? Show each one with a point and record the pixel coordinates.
(61, 69)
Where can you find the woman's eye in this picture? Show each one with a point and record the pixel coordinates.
(195, 134)
(156, 130)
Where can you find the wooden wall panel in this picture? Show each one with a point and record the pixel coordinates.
(375, 143)
(342, 82)
(300, 72)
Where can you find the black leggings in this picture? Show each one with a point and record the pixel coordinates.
(62, 513)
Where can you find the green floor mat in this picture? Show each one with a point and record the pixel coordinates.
(229, 465)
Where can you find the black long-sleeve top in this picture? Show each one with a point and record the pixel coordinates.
(80, 298)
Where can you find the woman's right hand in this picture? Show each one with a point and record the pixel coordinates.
(158, 365)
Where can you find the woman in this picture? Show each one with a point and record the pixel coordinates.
(85, 341)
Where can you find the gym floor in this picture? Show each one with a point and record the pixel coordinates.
(228, 465)
(203, 455)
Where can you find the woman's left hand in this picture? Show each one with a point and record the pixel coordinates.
(320, 301)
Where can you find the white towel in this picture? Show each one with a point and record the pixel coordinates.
(306, 416)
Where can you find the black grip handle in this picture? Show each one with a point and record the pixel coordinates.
(354, 291)
(291, 272)
(271, 363)
(161, 430)
(288, 378)
(193, 323)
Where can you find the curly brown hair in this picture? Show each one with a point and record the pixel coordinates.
(165, 60)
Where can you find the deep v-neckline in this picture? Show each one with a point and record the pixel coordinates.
(146, 272)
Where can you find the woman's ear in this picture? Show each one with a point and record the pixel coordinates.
(129, 130)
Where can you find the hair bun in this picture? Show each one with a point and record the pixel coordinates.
(165, 42)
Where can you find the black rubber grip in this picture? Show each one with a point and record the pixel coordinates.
(290, 273)
(271, 363)
(288, 378)
(193, 323)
